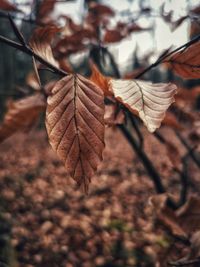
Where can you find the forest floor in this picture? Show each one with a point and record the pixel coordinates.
(53, 224)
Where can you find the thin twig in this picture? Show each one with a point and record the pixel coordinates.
(184, 181)
(112, 61)
(17, 32)
(137, 130)
(150, 168)
(162, 58)
(27, 50)
(160, 137)
(189, 149)
(153, 174)
(182, 173)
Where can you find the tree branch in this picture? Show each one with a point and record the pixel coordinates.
(27, 50)
(153, 174)
(162, 58)
(191, 151)
(137, 130)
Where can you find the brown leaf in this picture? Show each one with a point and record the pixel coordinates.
(186, 63)
(149, 100)
(189, 215)
(166, 216)
(196, 10)
(6, 5)
(49, 87)
(99, 79)
(173, 154)
(65, 65)
(195, 245)
(75, 126)
(46, 7)
(40, 43)
(101, 10)
(31, 80)
(184, 116)
(194, 28)
(171, 121)
(113, 36)
(21, 115)
(187, 96)
(133, 27)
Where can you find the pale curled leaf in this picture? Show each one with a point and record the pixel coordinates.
(21, 115)
(75, 126)
(149, 100)
(40, 43)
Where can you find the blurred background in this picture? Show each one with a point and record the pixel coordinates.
(45, 220)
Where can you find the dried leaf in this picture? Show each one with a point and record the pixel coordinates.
(75, 126)
(166, 216)
(113, 36)
(49, 87)
(6, 5)
(186, 63)
(149, 100)
(65, 65)
(185, 117)
(101, 10)
(177, 23)
(196, 10)
(45, 8)
(194, 28)
(171, 121)
(21, 115)
(40, 43)
(173, 154)
(133, 27)
(121, 31)
(189, 215)
(187, 97)
(99, 79)
(195, 245)
(31, 80)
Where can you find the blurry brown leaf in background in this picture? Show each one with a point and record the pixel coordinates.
(21, 115)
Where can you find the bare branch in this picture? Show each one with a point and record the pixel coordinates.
(191, 151)
(18, 34)
(162, 58)
(27, 50)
